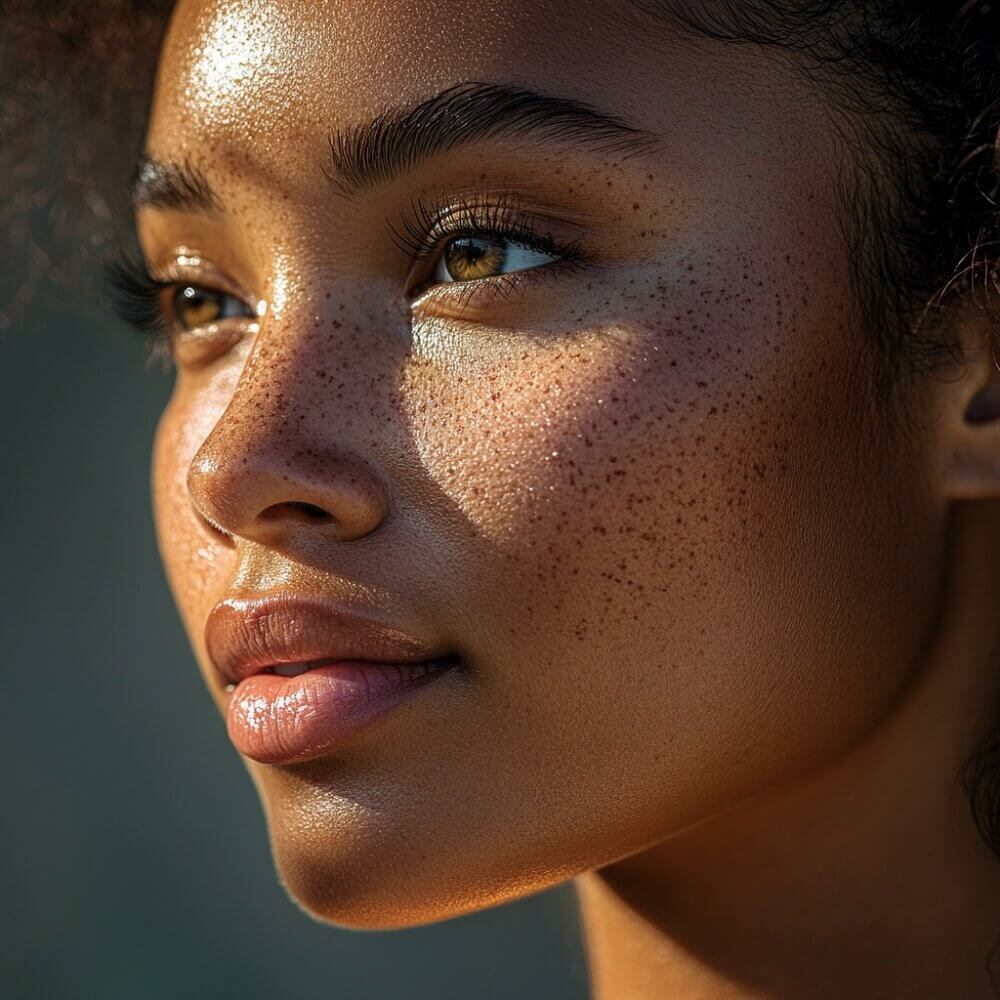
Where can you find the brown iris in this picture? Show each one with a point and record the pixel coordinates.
(195, 306)
(468, 258)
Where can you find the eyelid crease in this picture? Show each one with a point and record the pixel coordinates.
(188, 267)
(502, 214)
(447, 215)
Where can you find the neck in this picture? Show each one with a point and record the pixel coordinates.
(868, 879)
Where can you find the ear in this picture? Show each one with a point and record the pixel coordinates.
(971, 414)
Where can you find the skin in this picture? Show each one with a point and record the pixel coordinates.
(727, 628)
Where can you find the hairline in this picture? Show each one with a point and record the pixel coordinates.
(878, 183)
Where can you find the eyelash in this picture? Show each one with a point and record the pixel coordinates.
(136, 294)
(432, 224)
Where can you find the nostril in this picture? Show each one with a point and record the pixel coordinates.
(298, 510)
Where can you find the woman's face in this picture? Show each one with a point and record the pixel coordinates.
(611, 444)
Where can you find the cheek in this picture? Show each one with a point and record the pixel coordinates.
(673, 536)
(653, 441)
(190, 559)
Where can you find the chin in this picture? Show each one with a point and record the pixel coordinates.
(363, 899)
(378, 891)
(373, 862)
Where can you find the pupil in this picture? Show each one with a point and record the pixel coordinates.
(469, 258)
(474, 251)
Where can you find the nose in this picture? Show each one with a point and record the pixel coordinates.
(249, 481)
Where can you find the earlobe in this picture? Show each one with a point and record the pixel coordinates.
(972, 419)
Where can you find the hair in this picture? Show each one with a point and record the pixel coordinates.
(917, 83)
(75, 83)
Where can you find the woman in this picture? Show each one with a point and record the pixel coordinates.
(583, 464)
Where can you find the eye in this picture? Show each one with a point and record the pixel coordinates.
(195, 306)
(470, 258)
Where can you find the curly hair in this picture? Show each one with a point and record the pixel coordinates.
(917, 82)
(75, 83)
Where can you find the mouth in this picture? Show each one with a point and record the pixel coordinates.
(302, 679)
(408, 672)
(299, 711)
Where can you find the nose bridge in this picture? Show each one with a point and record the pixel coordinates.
(274, 462)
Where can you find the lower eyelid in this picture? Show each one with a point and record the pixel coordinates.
(202, 345)
(494, 288)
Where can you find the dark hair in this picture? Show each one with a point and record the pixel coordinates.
(75, 84)
(917, 82)
(918, 88)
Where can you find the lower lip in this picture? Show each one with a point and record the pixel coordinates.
(278, 720)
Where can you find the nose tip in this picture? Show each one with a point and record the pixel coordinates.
(245, 497)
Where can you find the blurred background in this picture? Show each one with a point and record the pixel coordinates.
(135, 861)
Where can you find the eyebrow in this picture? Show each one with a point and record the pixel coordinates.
(162, 184)
(363, 156)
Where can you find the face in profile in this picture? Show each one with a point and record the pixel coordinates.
(521, 489)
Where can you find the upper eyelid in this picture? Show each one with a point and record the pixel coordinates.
(515, 222)
(205, 276)
(139, 289)
(444, 216)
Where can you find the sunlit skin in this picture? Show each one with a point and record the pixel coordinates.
(728, 629)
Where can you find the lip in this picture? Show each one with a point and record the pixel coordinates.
(359, 669)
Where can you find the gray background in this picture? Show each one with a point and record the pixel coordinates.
(135, 860)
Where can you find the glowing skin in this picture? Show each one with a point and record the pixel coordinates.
(692, 575)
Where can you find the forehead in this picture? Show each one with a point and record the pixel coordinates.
(251, 91)
(295, 66)
(274, 73)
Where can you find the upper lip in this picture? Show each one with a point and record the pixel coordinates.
(244, 636)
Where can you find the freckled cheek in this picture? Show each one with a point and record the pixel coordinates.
(637, 461)
(556, 446)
